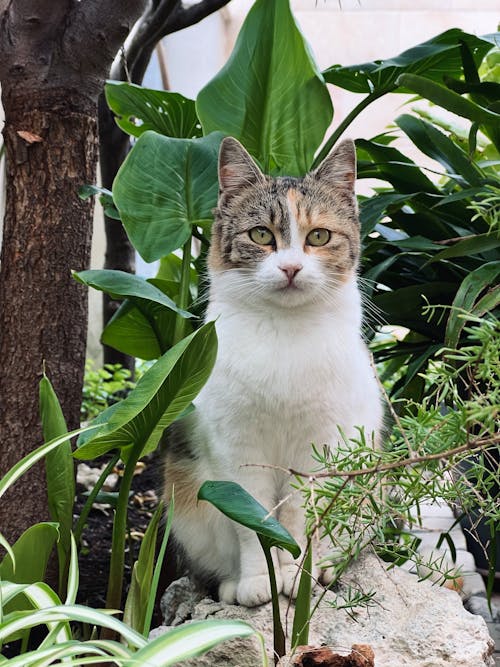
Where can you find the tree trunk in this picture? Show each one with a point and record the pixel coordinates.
(54, 58)
(47, 234)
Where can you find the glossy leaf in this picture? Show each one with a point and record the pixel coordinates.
(142, 574)
(105, 198)
(59, 472)
(270, 94)
(433, 59)
(120, 284)
(31, 553)
(163, 188)
(33, 457)
(15, 597)
(18, 621)
(439, 147)
(139, 109)
(191, 640)
(146, 332)
(236, 503)
(469, 246)
(471, 288)
(161, 395)
(446, 98)
(404, 305)
(302, 615)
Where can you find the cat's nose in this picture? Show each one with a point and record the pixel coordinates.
(290, 270)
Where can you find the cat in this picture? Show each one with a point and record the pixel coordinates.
(291, 368)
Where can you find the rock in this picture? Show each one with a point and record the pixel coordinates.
(409, 624)
(361, 655)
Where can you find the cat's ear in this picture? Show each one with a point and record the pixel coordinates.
(236, 168)
(338, 169)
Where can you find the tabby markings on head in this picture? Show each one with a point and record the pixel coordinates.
(314, 216)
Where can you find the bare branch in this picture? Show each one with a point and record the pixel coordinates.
(182, 17)
(163, 18)
(471, 446)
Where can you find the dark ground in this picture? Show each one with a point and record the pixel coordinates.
(96, 539)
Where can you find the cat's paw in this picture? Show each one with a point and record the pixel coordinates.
(227, 591)
(253, 591)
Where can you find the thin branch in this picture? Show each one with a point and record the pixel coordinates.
(183, 17)
(476, 444)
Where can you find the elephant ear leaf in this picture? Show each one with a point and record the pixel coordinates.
(278, 107)
(164, 188)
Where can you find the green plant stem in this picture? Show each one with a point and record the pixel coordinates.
(300, 630)
(80, 524)
(332, 140)
(180, 322)
(278, 634)
(158, 567)
(116, 567)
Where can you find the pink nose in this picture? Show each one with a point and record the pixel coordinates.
(291, 271)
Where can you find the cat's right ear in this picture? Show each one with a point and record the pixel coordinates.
(237, 169)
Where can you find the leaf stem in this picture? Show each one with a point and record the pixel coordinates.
(80, 524)
(332, 140)
(116, 567)
(180, 322)
(278, 634)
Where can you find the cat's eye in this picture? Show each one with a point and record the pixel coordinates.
(318, 237)
(261, 236)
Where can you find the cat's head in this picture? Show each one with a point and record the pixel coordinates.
(288, 241)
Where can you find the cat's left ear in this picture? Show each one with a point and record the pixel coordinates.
(338, 169)
(237, 170)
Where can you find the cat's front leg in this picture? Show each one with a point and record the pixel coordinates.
(254, 587)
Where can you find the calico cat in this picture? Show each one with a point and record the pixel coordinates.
(291, 369)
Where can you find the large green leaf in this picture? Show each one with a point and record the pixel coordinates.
(191, 640)
(30, 459)
(161, 395)
(404, 306)
(448, 99)
(164, 187)
(22, 620)
(122, 285)
(59, 472)
(439, 147)
(146, 331)
(31, 552)
(471, 289)
(236, 503)
(20, 597)
(473, 245)
(142, 574)
(433, 59)
(139, 109)
(270, 94)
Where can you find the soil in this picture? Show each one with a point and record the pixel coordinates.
(96, 538)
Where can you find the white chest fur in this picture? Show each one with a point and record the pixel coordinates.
(285, 379)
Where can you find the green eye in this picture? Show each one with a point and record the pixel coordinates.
(261, 235)
(318, 237)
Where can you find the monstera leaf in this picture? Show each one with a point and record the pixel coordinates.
(270, 94)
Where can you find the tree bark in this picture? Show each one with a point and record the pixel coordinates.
(47, 233)
(54, 58)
